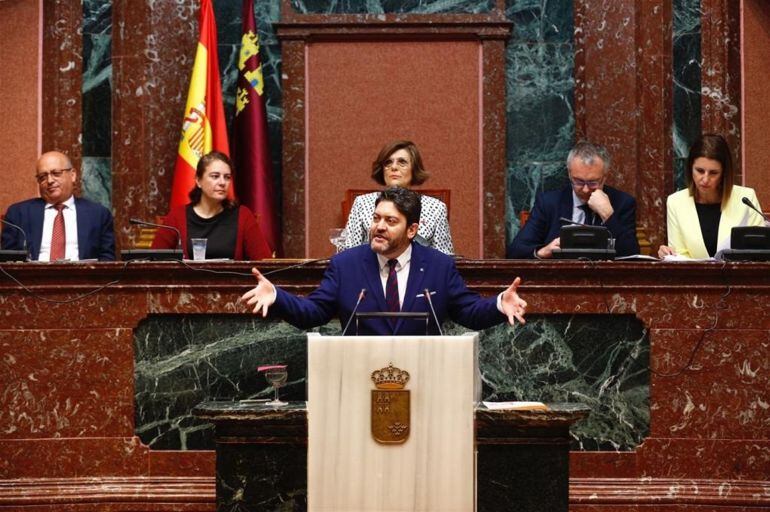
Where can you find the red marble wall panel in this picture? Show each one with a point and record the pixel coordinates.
(684, 400)
(152, 54)
(182, 463)
(709, 423)
(623, 88)
(363, 94)
(713, 459)
(294, 147)
(72, 457)
(66, 383)
(756, 100)
(493, 150)
(62, 114)
(19, 76)
(466, 159)
(721, 76)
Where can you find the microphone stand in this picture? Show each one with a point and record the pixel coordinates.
(15, 254)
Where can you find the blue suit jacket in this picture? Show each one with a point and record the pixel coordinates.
(544, 224)
(357, 268)
(96, 236)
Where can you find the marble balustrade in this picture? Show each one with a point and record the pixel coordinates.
(671, 358)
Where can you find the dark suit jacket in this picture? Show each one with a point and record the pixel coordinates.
(544, 224)
(96, 237)
(357, 268)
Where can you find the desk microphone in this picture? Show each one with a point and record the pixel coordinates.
(23, 234)
(427, 294)
(163, 226)
(361, 296)
(748, 203)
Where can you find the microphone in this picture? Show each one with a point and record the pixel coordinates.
(361, 296)
(427, 293)
(152, 224)
(748, 203)
(570, 221)
(23, 235)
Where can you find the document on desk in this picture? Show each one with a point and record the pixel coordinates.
(686, 259)
(516, 406)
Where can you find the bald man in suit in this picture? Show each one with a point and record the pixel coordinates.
(88, 231)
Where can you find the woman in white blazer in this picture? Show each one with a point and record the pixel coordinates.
(701, 216)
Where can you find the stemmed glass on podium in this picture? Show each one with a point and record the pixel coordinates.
(276, 375)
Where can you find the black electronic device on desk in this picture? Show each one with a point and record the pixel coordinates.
(584, 242)
(151, 254)
(748, 243)
(7, 255)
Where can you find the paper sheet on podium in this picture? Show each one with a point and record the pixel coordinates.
(434, 469)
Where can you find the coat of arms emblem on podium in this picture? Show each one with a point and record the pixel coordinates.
(390, 405)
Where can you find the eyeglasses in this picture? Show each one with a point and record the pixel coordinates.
(401, 163)
(56, 173)
(578, 184)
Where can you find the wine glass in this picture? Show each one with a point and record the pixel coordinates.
(338, 236)
(276, 375)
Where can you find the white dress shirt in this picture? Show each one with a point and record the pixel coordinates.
(70, 231)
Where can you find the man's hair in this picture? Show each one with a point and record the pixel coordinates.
(406, 201)
(206, 160)
(713, 147)
(587, 152)
(419, 174)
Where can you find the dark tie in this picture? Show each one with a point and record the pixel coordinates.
(391, 288)
(58, 238)
(590, 217)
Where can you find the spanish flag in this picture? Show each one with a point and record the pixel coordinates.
(203, 128)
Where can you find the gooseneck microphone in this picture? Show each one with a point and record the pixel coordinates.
(361, 296)
(23, 236)
(748, 203)
(163, 226)
(427, 294)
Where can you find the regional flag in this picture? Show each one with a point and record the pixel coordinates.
(204, 128)
(250, 147)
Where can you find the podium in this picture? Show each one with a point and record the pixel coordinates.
(364, 452)
(323, 455)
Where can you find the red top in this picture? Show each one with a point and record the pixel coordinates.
(250, 244)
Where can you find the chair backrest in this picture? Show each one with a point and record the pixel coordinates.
(442, 194)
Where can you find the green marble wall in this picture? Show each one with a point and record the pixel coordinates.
(600, 361)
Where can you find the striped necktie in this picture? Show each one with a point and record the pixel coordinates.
(58, 237)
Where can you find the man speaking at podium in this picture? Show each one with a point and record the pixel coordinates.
(391, 274)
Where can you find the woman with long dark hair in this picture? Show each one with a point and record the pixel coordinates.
(701, 216)
(231, 231)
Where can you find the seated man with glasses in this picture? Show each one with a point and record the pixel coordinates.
(59, 226)
(586, 200)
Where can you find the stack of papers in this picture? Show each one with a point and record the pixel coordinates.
(516, 406)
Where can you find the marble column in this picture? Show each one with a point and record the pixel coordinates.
(152, 55)
(623, 89)
(721, 79)
(62, 78)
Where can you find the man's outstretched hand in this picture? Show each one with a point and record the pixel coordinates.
(514, 306)
(262, 296)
